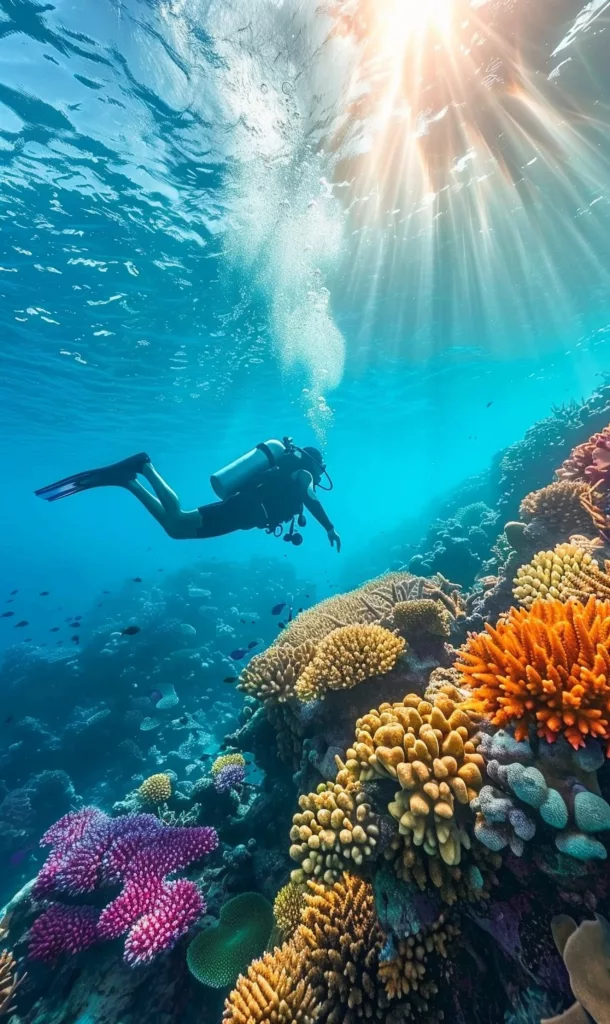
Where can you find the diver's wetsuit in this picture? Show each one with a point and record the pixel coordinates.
(280, 495)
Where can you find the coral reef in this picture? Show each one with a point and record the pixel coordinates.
(420, 617)
(229, 777)
(585, 950)
(90, 851)
(567, 571)
(217, 956)
(156, 789)
(547, 667)
(348, 656)
(9, 982)
(558, 508)
(273, 675)
(274, 992)
(226, 761)
(589, 461)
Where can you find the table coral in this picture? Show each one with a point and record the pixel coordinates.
(547, 667)
(348, 656)
(156, 789)
(335, 827)
(558, 507)
(567, 571)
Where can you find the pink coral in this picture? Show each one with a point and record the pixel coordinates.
(62, 929)
(90, 850)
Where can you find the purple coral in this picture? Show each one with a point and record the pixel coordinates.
(228, 777)
(90, 850)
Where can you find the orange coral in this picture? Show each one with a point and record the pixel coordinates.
(548, 667)
(9, 982)
(276, 990)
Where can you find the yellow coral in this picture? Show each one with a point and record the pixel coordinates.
(417, 618)
(287, 909)
(225, 760)
(156, 789)
(430, 749)
(472, 879)
(272, 675)
(567, 571)
(348, 656)
(276, 990)
(558, 506)
(405, 972)
(335, 827)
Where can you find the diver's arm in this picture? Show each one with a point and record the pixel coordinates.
(314, 506)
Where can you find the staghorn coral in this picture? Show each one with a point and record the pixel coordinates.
(272, 676)
(91, 851)
(548, 668)
(420, 617)
(287, 909)
(225, 761)
(9, 982)
(276, 990)
(335, 827)
(567, 571)
(340, 940)
(404, 971)
(156, 789)
(589, 461)
(430, 749)
(348, 656)
(217, 956)
(558, 507)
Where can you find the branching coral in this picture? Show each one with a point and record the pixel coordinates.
(589, 461)
(9, 982)
(558, 506)
(218, 955)
(276, 990)
(156, 789)
(287, 909)
(548, 668)
(273, 675)
(91, 851)
(348, 656)
(566, 572)
(335, 827)
(421, 617)
(405, 969)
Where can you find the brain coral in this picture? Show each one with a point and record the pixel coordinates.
(348, 656)
(548, 668)
(217, 956)
(225, 760)
(333, 828)
(156, 789)
(559, 506)
(272, 675)
(287, 908)
(430, 749)
(276, 990)
(417, 618)
(566, 572)
(589, 461)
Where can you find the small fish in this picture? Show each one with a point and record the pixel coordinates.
(252, 644)
(28, 640)
(6, 615)
(243, 621)
(74, 625)
(281, 625)
(253, 622)
(230, 679)
(488, 404)
(277, 608)
(75, 640)
(105, 591)
(13, 592)
(9, 719)
(59, 643)
(238, 654)
(54, 629)
(77, 618)
(44, 593)
(137, 579)
(23, 622)
(299, 611)
(160, 570)
(130, 630)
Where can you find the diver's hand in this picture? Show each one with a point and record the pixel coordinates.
(335, 540)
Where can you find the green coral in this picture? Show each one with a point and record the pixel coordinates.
(591, 812)
(216, 957)
(553, 810)
(580, 846)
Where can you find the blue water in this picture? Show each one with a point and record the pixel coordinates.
(197, 256)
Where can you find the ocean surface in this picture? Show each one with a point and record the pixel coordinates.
(379, 227)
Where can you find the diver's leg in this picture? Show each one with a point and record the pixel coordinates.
(168, 498)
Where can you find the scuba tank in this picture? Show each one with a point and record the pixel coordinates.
(245, 470)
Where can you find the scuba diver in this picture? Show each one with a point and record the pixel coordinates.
(265, 488)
